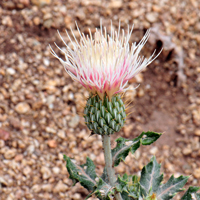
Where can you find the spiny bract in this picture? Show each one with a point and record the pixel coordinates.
(104, 117)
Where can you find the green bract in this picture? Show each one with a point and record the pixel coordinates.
(104, 117)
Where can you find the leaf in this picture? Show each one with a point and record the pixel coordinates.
(168, 190)
(85, 174)
(121, 151)
(128, 186)
(150, 177)
(103, 190)
(191, 194)
(150, 183)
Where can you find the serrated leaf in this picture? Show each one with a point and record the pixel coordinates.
(103, 190)
(191, 194)
(121, 151)
(128, 186)
(85, 174)
(168, 190)
(150, 177)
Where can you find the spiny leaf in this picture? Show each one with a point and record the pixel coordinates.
(168, 190)
(128, 186)
(85, 174)
(191, 194)
(150, 177)
(121, 151)
(102, 190)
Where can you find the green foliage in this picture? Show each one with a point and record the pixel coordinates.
(85, 174)
(150, 183)
(104, 117)
(148, 187)
(124, 146)
(128, 186)
(102, 190)
(191, 194)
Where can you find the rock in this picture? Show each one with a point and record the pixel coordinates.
(52, 143)
(152, 17)
(61, 134)
(47, 187)
(197, 173)
(153, 150)
(15, 122)
(40, 3)
(36, 188)
(197, 132)
(27, 170)
(46, 172)
(36, 21)
(56, 170)
(22, 108)
(7, 21)
(4, 135)
(11, 71)
(115, 4)
(10, 153)
(74, 121)
(60, 187)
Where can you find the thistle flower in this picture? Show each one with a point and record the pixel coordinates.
(104, 64)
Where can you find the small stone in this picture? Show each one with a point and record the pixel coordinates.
(47, 187)
(52, 143)
(36, 188)
(153, 150)
(7, 21)
(46, 172)
(187, 151)
(22, 107)
(56, 170)
(152, 17)
(19, 157)
(11, 71)
(41, 2)
(74, 121)
(115, 4)
(27, 170)
(4, 135)
(10, 153)
(61, 134)
(197, 132)
(36, 21)
(60, 187)
(197, 173)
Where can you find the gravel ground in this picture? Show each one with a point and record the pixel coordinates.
(40, 104)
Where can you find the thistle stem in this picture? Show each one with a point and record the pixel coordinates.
(108, 162)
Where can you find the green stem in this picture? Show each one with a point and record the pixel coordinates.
(108, 162)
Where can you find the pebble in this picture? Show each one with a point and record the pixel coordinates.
(61, 134)
(197, 132)
(4, 135)
(40, 2)
(152, 17)
(27, 170)
(46, 172)
(36, 21)
(73, 123)
(197, 173)
(10, 153)
(22, 108)
(115, 4)
(52, 143)
(60, 187)
(11, 71)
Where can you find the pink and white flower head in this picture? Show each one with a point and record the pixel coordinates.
(105, 63)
